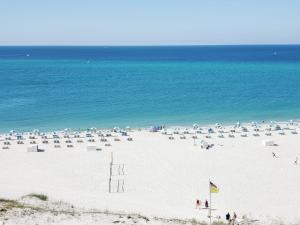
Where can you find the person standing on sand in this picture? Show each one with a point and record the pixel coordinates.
(274, 155)
(206, 204)
(234, 218)
(296, 161)
(227, 217)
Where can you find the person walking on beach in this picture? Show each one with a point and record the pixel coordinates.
(296, 161)
(274, 155)
(198, 204)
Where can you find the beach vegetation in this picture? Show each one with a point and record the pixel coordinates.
(219, 223)
(194, 221)
(42, 197)
(10, 204)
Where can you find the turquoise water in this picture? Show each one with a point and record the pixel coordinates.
(78, 87)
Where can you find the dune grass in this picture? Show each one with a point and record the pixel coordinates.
(10, 204)
(42, 197)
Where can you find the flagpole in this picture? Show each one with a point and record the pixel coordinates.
(209, 203)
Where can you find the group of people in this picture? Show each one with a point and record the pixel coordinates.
(231, 220)
(199, 203)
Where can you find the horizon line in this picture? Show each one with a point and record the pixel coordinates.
(146, 45)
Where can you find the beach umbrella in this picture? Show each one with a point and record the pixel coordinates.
(93, 129)
(115, 129)
(35, 131)
(220, 130)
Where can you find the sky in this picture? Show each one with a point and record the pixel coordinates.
(149, 22)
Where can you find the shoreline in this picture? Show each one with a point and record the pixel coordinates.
(145, 127)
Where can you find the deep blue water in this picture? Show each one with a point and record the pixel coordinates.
(79, 87)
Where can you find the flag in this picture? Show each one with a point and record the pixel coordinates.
(213, 188)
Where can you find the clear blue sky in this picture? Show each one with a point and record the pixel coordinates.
(149, 22)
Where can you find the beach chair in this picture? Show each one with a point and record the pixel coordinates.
(294, 132)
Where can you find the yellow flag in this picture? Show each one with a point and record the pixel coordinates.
(213, 188)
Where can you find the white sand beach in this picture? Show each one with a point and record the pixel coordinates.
(164, 172)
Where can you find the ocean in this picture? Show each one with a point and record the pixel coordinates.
(51, 88)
